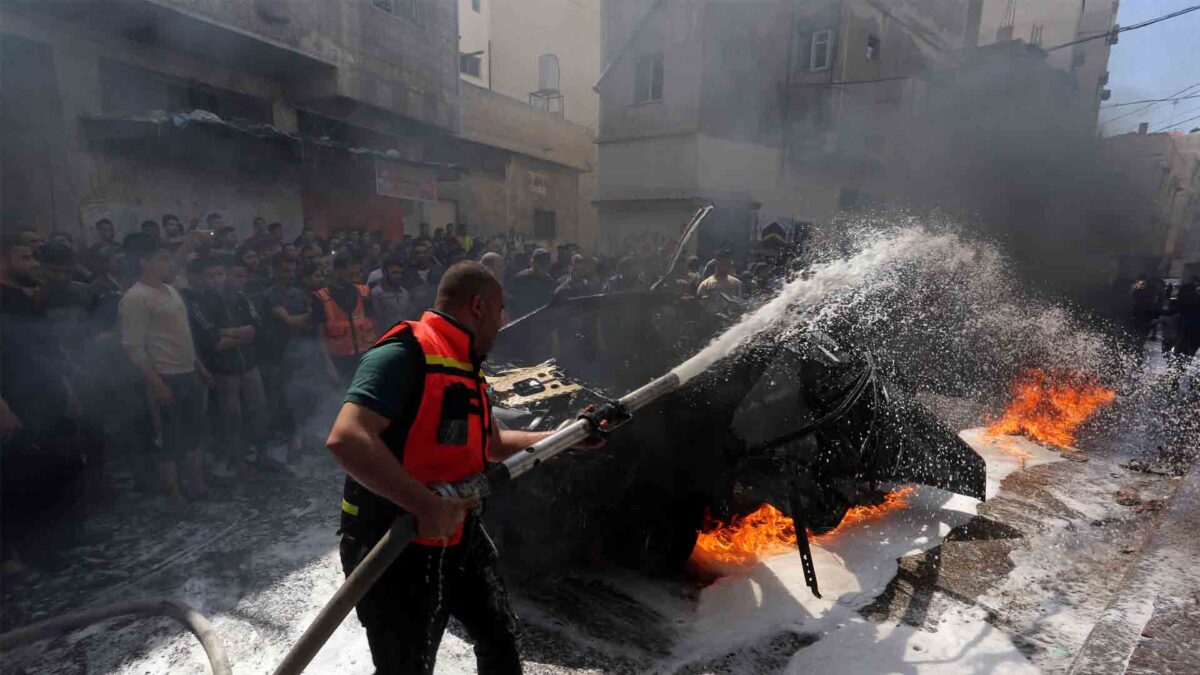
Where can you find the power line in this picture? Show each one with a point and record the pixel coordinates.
(1197, 117)
(1151, 105)
(1115, 31)
(1151, 100)
(1178, 115)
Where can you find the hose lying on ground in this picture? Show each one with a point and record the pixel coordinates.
(195, 622)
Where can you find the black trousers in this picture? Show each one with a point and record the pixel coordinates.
(406, 611)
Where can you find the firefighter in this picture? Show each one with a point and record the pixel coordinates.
(417, 413)
(342, 313)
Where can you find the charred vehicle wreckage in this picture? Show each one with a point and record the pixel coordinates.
(799, 422)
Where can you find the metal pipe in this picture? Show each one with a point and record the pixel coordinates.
(554, 444)
(195, 622)
(404, 528)
(643, 396)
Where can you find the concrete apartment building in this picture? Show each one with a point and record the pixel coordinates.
(343, 113)
(772, 110)
(528, 70)
(1160, 179)
(98, 101)
(1050, 23)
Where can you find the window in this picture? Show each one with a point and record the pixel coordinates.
(475, 6)
(470, 64)
(544, 226)
(405, 9)
(872, 48)
(648, 78)
(821, 53)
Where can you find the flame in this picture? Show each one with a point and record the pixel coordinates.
(739, 545)
(1048, 406)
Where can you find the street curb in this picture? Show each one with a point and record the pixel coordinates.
(1165, 564)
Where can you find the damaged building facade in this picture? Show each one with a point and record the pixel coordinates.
(1160, 206)
(348, 113)
(771, 110)
(794, 111)
(1047, 24)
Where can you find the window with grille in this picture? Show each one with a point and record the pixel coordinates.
(648, 78)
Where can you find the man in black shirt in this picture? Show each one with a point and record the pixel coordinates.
(421, 278)
(40, 471)
(533, 286)
(228, 324)
(287, 318)
(576, 284)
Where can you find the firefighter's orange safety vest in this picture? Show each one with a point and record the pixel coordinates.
(347, 335)
(449, 436)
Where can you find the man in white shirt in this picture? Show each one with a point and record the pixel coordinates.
(721, 280)
(157, 338)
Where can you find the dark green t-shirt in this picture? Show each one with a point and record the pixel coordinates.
(386, 382)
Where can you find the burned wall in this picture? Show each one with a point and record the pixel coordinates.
(128, 188)
(384, 56)
(80, 182)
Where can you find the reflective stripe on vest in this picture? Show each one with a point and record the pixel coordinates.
(347, 335)
(449, 436)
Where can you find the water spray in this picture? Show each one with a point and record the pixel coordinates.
(611, 415)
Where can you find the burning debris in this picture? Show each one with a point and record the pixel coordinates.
(1050, 405)
(740, 544)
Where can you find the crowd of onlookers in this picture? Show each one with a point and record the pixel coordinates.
(1172, 309)
(185, 353)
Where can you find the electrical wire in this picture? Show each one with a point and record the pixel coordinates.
(1176, 115)
(1151, 100)
(1197, 117)
(1122, 29)
(1140, 110)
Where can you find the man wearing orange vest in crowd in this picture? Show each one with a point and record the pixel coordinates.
(342, 313)
(417, 413)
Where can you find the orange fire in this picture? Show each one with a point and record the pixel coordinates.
(738, 546)
(1048, 406)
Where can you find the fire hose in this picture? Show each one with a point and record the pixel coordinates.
(195, 622)
(404, 528)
